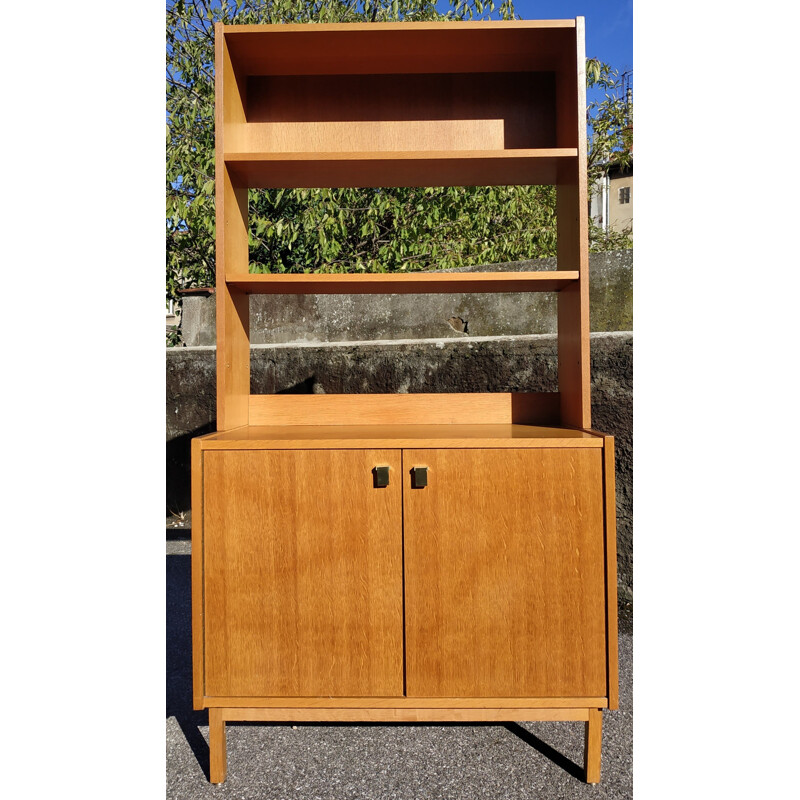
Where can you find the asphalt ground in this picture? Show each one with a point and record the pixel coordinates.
(312, 761)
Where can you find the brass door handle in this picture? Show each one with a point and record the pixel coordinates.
(380, 477)
(419, 477)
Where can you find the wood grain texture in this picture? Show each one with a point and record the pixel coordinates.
(198, 684)
(417, 47)
(217, 749)
(406, 702)
(610, 499)
(404, 714)
(233, 356)
(417, 168)
(415, 283)
(303, 574)
(504, 586)
(335, 437)
(594, 745)
(404, 409)
(439, 111)
(572, 249)
(232, 251)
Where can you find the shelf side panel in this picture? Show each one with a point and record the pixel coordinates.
(535, 408)
(573, 247)
(232, 254)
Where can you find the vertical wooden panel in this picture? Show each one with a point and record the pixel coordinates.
(303, 574)
(505, 592)
(232, 255)
(611, 570)
(197, 576)
(572, 209)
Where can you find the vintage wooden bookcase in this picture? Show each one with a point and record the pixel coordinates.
(428, 557)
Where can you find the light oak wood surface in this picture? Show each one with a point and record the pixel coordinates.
(259, 437)
(438, 111)
(404, 714)
(232, 252)
(303, 573)
(414, 283)
(198, 643)
(574, 379)
(504, 575)
(406, 702)
(217, 749)
(610, 491)
(403, 409)
(594, 743)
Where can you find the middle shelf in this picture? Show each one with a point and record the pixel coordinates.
(412, 283)
(276, 170)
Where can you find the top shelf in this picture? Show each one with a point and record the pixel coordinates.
(393, 48)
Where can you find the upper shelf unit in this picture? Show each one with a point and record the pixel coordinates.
(406, 104)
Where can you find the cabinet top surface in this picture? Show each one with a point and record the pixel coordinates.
(399, 436)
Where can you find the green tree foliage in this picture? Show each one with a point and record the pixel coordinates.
(328, 230)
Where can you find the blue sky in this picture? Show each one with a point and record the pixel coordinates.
(609, 25)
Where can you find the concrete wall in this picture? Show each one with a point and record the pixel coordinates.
(503, 364)
(337, 318)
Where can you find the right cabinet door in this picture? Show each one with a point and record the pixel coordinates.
(504, 573)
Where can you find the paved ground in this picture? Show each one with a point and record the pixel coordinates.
(395, 762)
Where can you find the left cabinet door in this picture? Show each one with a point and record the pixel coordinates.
(302, 573)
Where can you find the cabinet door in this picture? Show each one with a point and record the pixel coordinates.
(504, 563)
(302, 573)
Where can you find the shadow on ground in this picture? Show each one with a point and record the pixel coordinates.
(179, 657)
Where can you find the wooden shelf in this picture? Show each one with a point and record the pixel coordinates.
(392, 48)
(413, 283)
(281, 437)
(391, 168)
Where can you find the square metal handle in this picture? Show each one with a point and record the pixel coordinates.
(380, 477)
(419, 477)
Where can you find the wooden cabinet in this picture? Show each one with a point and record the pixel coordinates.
(484, 590)
(479, 583)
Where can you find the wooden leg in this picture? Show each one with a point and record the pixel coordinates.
(218, 754)
(594, 741)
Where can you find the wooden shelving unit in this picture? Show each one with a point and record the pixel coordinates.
(425, 557)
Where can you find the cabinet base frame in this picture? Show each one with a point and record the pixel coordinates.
(218, 716)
